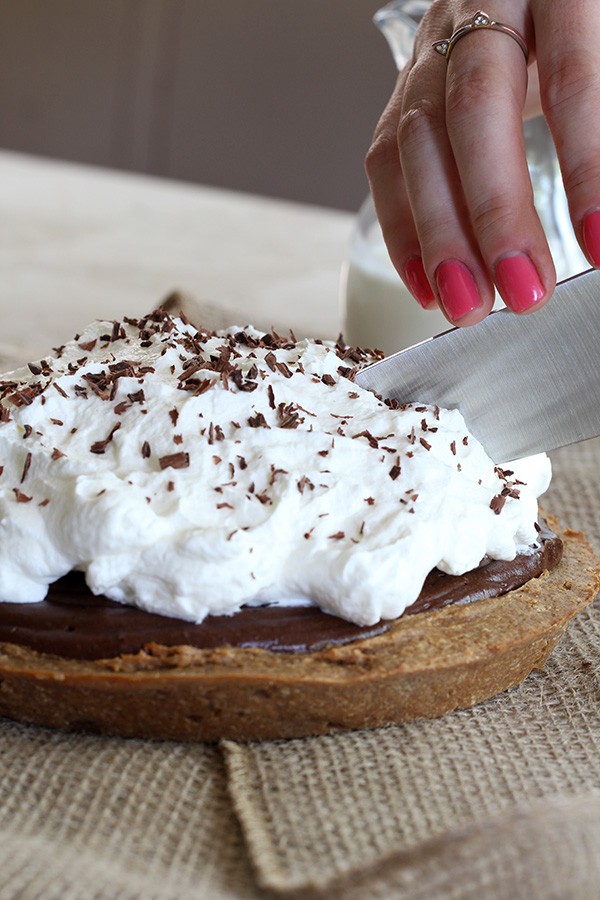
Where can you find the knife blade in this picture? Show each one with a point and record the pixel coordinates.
(524, 384)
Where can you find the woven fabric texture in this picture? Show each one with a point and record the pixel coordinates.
(317, 812)
(96, 818)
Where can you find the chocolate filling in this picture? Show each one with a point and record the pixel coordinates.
(72, 623)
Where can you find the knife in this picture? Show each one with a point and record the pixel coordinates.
(524, 384)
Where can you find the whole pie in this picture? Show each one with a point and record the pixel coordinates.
(219, 534)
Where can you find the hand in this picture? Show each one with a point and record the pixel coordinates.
(447, 164)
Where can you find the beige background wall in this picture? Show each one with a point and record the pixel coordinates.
(271, 96)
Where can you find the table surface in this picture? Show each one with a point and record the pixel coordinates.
(78, 243)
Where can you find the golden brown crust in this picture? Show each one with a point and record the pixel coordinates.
(425, 665)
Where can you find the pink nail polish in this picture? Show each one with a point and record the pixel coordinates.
(417, 282)
(458, 291)
(518, 282)
(591, 236)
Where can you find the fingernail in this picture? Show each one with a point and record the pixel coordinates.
(418, 282)
(591, 236)
(458, 290)
(518, 282)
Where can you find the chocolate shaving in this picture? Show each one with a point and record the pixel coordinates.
(26, 467)
(21, 497)
(190, 367)
(58, 388)
(284, 370)
(57, 454)
(100, 446)
(373, 441)
(271, 360)
(98, 383)
(305, 482)
(146, 450)
(179, 460)
(202, 387)
(497, 503)
(243, 385)
(275, 472)
(337, 536)
(288, 416)
(24, 397)
(258, 421)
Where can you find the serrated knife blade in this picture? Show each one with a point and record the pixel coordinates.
(524, 384)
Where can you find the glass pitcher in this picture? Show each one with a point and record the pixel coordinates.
(377, 309)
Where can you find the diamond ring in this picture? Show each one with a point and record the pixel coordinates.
(478, 22)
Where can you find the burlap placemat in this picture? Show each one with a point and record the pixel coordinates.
(324, 813)
(92, 818)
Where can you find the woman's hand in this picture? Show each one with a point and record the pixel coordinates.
(447, 164)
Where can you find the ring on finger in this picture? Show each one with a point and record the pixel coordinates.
(479, 22)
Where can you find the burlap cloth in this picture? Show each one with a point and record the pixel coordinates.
(499, 801)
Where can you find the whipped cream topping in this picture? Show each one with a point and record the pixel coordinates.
(190, 472)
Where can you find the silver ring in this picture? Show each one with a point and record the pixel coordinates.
(478, 22)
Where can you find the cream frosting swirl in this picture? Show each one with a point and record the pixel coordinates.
(191, 472)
